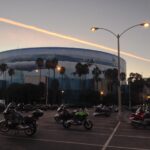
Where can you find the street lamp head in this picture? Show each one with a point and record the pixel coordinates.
(93, 29)
(58, 68)
(145, 25)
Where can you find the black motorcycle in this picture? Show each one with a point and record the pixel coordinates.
(79, 118)
(102, 110)
(14, 120)
(62, 114)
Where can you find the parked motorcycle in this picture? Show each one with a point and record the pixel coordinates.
(141, 118)
(79, 118)
(14, 120)
(102, 110)
(62, 114)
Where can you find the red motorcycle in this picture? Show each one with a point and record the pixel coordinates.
(141, 118)
(138, 115)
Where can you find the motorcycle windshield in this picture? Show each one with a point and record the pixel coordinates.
(7, 108)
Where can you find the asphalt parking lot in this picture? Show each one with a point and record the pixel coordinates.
(107, 133)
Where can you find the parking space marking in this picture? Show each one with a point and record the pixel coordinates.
(127, 148)
(110, 137)
(54, 141)
(76, 143)
(131, 136)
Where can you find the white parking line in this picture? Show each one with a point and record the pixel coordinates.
(127, 148)
(54, 141)
(75, 143)
(110, 137)
(132, 136)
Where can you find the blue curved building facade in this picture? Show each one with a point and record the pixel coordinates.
(23, 61)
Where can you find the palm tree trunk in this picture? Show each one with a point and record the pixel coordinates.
(54, 73)
(97, 85)
(49, 73)
(11, 79)
(40, 76)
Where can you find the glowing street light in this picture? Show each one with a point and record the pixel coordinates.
(93, 29)
(146, 25)
(101, 93)
(58, 68)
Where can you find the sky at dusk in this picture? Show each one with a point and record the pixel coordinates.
(74, 18)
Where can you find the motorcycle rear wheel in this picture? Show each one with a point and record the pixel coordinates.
(30, 131)
(66, 125)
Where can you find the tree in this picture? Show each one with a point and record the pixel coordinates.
(147, 82)
(111, 75)
(81, 69)
(122, 76)
(48, 65)
(40, 64)
(62, 72)
(3, 68)
(96, 73)
(78, 68)
(136, 83)
(11, 72)
(53, 65)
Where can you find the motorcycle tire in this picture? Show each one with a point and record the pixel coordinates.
(30, 131)
(88, 124)
(4, 126)
(66, 125)
(137, 125)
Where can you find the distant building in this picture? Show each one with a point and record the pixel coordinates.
(23, 61)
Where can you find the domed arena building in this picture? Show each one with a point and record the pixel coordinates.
(23, 61)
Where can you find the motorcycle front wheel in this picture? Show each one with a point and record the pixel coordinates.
(88, 124)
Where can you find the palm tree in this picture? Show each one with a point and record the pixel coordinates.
(11, 72)
(54, 63)
(112, 77)
(108, 77)
(85, 69)
(62, 72)
(48, 66)
(96, 72)
(3, 68)
(79, 72)
(40, 64)
(78, 68)
(81, 69)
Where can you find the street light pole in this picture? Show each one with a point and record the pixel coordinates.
(46, 90)
(118, 55)
(119, 87)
